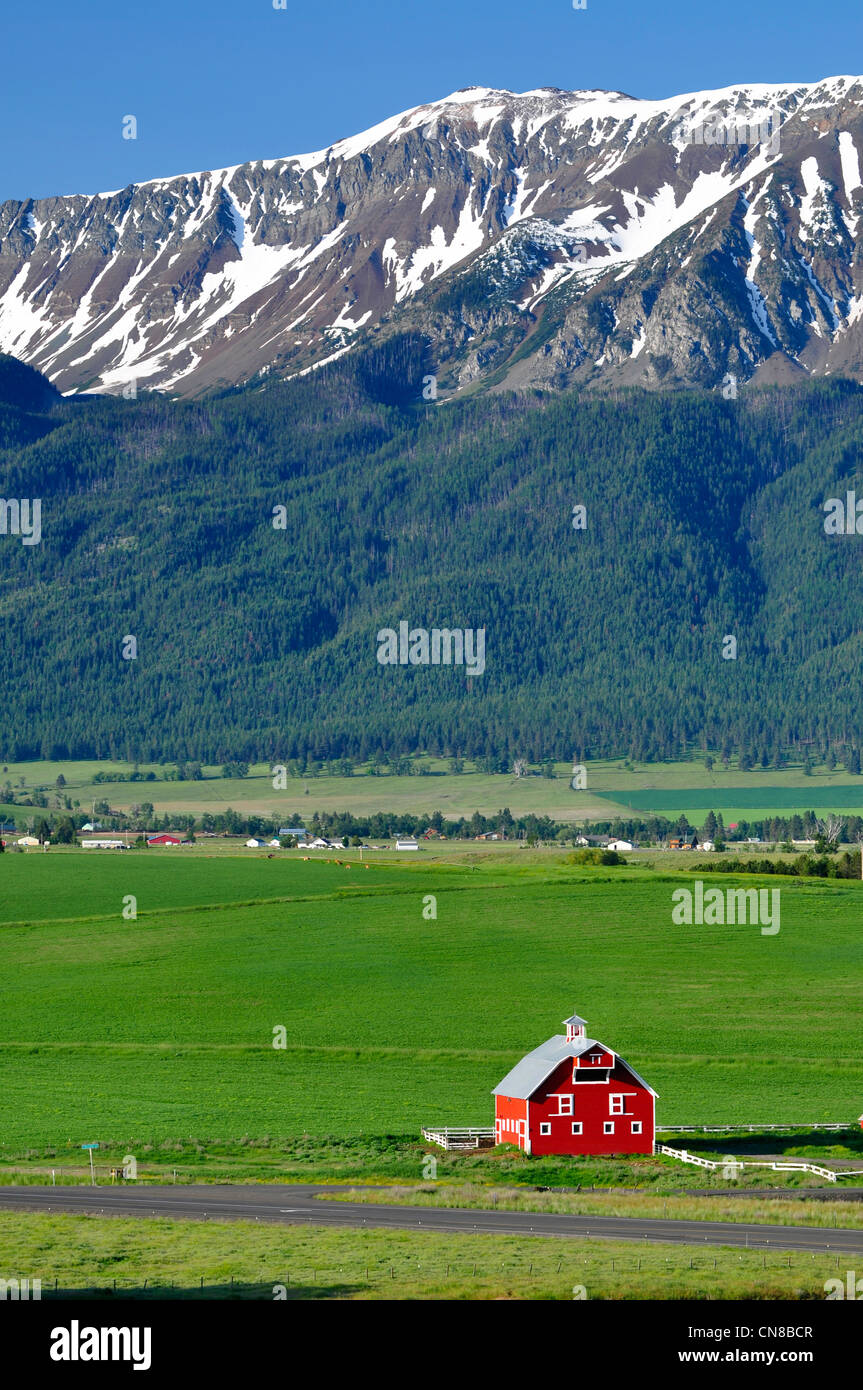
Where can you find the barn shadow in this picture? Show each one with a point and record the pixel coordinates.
(791, 1143)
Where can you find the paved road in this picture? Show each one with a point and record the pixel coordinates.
(295, 1205)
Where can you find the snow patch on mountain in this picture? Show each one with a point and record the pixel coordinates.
(851, 180)
(756, 298)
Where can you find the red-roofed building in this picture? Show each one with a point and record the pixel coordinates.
(574, 1095)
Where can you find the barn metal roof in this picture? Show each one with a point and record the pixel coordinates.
(576, 1018)
(532, 1070)
(528, 1074)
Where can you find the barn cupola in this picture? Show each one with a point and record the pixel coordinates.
(575, 1028)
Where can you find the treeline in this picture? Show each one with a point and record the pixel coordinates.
(330, 825)
(641, 830)
(804, 866)
(254, 543)
(774, 830)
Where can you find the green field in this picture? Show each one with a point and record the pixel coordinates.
(115, 1257)
(613, 789)
(751, 802)
(161, 1028)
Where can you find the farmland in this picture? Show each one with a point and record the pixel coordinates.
(613, 788)
(153, 1030)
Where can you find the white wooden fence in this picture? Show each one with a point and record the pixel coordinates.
(831, 1174)
(752, 1129)
(449, 1138)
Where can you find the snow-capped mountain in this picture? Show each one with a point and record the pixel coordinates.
(535, 239)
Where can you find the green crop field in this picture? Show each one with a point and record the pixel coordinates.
(751, 802)
(613, 788)
(162, 1027)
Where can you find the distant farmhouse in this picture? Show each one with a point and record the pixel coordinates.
(574, 1095)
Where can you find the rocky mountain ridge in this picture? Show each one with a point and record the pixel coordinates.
(541, 239)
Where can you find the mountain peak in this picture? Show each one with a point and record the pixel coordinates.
(662, 242)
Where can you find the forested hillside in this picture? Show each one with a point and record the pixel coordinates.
(704, 519)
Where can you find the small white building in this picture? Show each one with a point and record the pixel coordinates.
(102, 844)
(406, 844)
(707, 844)
(620, 844)
(29, 841)
(255, 844)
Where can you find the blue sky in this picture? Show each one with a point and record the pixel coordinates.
(215, 82)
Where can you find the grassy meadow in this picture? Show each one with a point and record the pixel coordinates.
(115, 1257)
(161, 1029)
(614, 788)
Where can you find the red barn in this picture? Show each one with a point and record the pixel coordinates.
(573, 1095)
